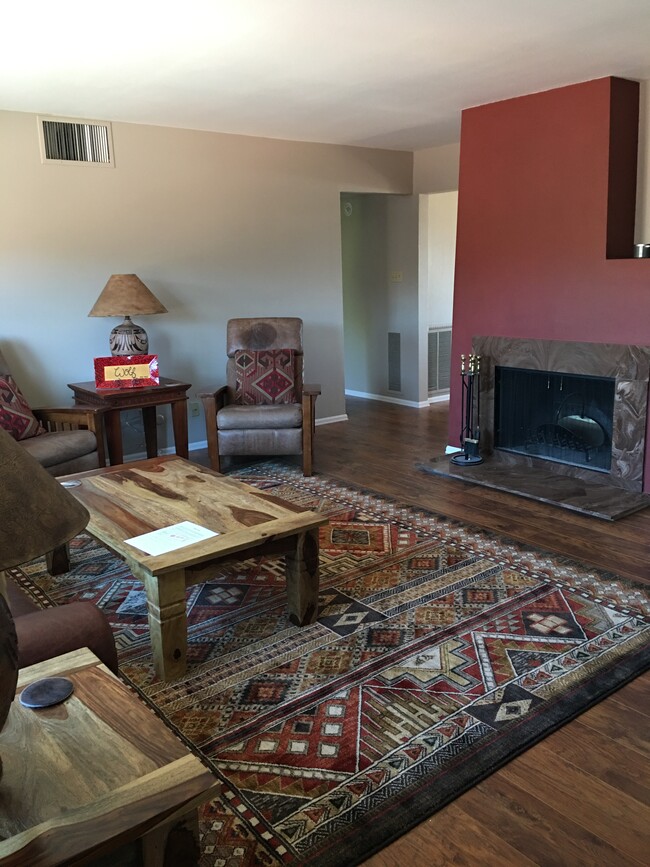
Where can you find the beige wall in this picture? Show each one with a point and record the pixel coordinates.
(438, 226)
(216, 225)
(642, 232)
(435, 170)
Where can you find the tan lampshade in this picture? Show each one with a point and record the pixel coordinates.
(37, 514)
(126, 295)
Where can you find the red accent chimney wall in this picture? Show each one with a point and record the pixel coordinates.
(546, 201)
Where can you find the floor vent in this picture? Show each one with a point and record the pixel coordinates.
(74, 141)
(439, 359)
(394, 361)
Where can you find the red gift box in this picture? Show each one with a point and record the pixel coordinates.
(126, 371)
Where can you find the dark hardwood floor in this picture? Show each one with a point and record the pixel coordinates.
(581, 796)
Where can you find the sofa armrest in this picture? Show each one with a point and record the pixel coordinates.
(47, 632)
(50, 632)
(61, 417)
(72, 417)
(217, 394)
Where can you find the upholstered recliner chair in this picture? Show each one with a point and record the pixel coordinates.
(265, 408)
(63, 440)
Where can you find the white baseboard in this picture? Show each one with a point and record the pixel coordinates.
(332, 419)
(168, 450)
(384, 399)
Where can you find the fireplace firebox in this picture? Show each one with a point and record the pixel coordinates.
(554, 416)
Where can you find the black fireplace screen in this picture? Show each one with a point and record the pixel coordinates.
(561, 417)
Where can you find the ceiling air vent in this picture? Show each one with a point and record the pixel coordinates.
(74, 141)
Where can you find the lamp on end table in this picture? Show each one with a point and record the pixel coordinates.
(126, 295)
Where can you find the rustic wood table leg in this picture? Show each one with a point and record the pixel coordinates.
(150, 430)
(58, 560)
(174, 844)
(179, 420)
(113, 426)
(167, 621)
(301, 570)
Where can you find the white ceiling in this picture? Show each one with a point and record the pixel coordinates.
(380, 73)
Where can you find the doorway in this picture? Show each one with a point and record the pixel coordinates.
(398, 255)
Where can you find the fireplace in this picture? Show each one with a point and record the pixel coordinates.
(555, 416)
(580, 408)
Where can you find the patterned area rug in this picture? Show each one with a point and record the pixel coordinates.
(440, 652)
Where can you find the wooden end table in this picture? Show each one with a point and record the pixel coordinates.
(143, 496)
(95, 774)
(145, 398)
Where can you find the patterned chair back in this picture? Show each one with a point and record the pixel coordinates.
(256, 334)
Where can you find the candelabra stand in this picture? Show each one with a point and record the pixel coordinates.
(469, 434)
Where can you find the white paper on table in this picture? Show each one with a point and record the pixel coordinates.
(170, 538)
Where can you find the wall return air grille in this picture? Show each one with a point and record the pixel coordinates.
(439, 358)
(73, 141)
(394, 361)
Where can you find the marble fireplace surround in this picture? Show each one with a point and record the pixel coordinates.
(628, 365)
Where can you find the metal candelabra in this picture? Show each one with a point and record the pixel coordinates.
(469, 434)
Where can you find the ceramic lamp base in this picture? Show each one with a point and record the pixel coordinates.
(128, 339)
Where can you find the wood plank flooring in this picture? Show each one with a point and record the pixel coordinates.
(581, 796)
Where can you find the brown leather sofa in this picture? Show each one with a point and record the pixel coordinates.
(46, 632)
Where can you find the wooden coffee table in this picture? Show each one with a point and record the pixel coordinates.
(97, 777)
(142, 496)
